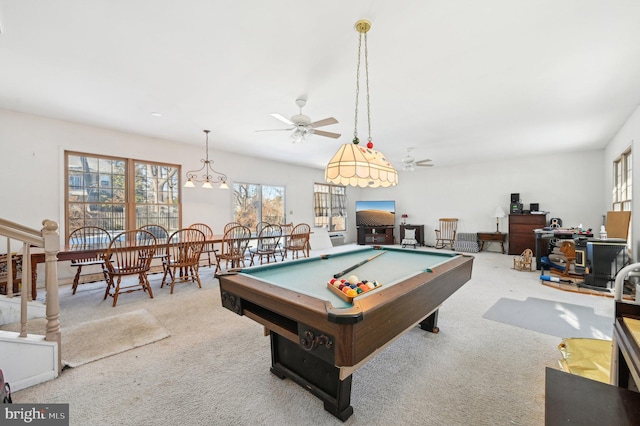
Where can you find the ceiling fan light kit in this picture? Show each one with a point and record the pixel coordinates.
(409, 163)
(302, 126)
(353, 164)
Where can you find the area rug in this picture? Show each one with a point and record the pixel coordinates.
(551, 317)
(93, 340)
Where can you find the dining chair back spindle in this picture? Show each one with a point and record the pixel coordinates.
(88, 238)
(298, 241)
(234, 246)
(183, 257)
(286, 231)
(229, 226)
(268, 243)
(259, 227)
(208, 247)
(16, 268)
(129, 253)
(162, 237)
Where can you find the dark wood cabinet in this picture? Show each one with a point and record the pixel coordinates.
(521, 226)
(419, 232)
(375, 235)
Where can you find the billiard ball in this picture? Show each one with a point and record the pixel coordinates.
(353, 279)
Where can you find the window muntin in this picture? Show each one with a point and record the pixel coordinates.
(120, 193)
(622, 182)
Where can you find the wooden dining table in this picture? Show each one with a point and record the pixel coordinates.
(69, 254)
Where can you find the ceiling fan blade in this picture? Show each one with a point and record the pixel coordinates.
(424, 163)
(282, 118)
(324, 122)
(327, 134)
(274, 130)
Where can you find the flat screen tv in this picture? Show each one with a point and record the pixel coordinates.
(375, 213)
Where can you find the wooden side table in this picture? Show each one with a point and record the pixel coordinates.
(499, 237)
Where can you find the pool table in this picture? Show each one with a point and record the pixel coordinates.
(318, 339)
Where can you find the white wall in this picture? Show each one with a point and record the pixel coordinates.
(32, 170)
(568, 185)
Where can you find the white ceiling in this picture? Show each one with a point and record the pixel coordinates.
(461, 81)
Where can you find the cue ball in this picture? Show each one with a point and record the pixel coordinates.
(353, 279)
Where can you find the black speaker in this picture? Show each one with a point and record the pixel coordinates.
(534, 207)
(515, 198)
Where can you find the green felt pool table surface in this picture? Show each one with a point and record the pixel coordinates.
(310, 276)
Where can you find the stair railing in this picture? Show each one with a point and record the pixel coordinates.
(47, 238)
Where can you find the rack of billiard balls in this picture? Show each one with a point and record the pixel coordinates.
(352, 287)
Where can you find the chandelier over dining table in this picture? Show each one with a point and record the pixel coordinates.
(206, 174)
(354, 164)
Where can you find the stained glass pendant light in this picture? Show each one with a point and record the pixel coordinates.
(357, 165)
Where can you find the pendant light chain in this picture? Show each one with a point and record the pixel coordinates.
(366, 68)
(355, 127)
(354, 165)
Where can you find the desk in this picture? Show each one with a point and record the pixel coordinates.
(490, 237)
(575, 400)
(317, 339)
(543, 236)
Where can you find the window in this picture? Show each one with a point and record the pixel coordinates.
(330, 207)
(253, 203)
(622, 182)
(120, 193)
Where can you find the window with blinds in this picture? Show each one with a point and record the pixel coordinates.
(330, 207)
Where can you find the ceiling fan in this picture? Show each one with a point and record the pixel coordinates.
(409, 163)
(302, 126)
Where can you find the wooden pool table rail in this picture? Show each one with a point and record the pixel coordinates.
(319, 346)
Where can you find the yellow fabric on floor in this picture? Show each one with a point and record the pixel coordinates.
(634, 327)
(590, 358)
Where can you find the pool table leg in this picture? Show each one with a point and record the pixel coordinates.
(316, 375)
(430, 323)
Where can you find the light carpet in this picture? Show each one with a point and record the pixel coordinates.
(104, 337)
(551, 317)
(214, 370)
(100, 338)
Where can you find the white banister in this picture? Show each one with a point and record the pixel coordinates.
(47, 238)
(632, 270)
(51, 249)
